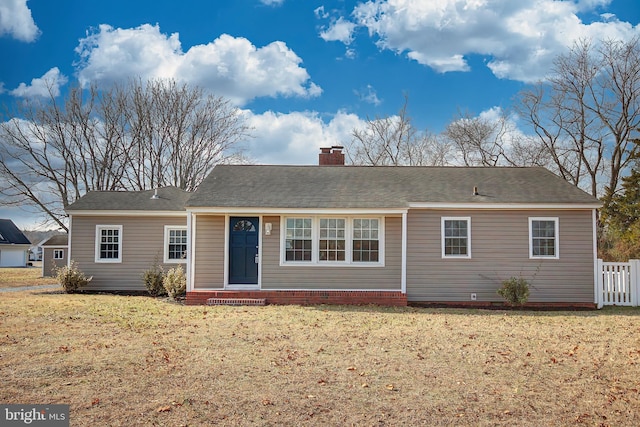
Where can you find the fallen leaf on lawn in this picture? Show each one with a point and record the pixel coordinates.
(164, 409)
(351, 368)
(365, 385)
(390, 387)
(95, 401)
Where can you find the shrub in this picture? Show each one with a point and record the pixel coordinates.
(153, 279)
(515, 290)
(175, 282)
(71, 278)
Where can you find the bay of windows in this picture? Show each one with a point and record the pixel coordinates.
(343, 240)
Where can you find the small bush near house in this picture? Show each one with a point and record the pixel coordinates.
(515, 290)
(153, 279)
(175, 282)
(71, 278)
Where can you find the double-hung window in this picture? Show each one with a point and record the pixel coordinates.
(175, 244)
(58, 254)
(108, 243)
(332, 239)
(543, 238)
(366, 247)
(456, 237)
(348, 240)
(298, 245)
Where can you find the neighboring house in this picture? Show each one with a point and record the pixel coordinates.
(55, 251)
(348, 234)
(14, 245)
(35, 253)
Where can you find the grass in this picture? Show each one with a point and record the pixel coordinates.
(138, 361)
(19, 277)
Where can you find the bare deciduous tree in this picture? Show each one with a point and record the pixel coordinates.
(491, 141)
(394, 141)
(137, 136)
(586, 114)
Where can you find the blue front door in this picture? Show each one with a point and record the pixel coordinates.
(243, 250)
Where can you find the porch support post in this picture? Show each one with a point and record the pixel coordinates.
(190, 251)
(403, 276)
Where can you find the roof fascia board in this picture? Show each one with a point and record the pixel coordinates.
(126, 213)
(504, 206)
(306, 211)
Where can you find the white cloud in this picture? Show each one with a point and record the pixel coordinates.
(320, 13)
(16, 20)
(272, 2)
(296, 138)
(341, 30)
(47, 85)
(519, 39)
(368, 95)
(229, 66)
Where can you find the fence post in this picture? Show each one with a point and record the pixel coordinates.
(634, 281)
(599, 284)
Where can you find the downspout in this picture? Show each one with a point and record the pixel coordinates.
(190, 252)
(403, 275)
(68, 241)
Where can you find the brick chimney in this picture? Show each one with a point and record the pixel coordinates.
(331, 156)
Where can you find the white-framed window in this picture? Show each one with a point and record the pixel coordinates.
(543, 237)
(108, 243)
(175, 244)
(298, 246)
(456, 237)
(332, 240)
(366, 240)
(58, 254)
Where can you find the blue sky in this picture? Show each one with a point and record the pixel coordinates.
(306, 72)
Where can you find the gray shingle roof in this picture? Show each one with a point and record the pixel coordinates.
(10, 234)
(379, 187)
(56, 240)
(169, 199)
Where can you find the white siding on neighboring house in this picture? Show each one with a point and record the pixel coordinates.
(15, 256)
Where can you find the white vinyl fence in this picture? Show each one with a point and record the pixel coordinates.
(618, 283)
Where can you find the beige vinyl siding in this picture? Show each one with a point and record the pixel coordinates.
(499, 250)
(275, 276)
(49, 264)
(142, 244)
(209, 252)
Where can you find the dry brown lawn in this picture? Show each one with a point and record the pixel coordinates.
(138, 361)
(19, 277)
